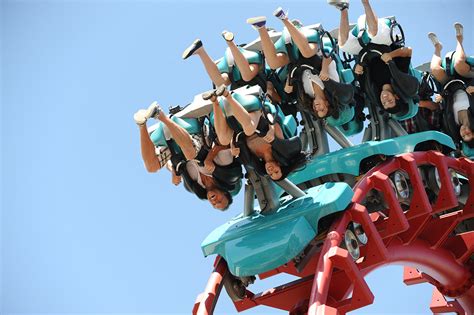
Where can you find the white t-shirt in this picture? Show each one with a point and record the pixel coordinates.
(195, 171)
(308, 77)
(223, 158)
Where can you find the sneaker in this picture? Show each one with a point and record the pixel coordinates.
(140, 117)
(280, 14)
(459, 28)
(153, 110)
(208, 95)
(192, 49)
(434, 39)
(221, 89)
(257, 22)
(228, 36)
(340, 4)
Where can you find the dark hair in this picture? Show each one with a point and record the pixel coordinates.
(229, 198)
(306, 104)
(287, 153)
(298, 162)
(192, 186)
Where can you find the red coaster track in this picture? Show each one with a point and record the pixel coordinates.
(424, 235)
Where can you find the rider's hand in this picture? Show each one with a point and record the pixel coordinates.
(386, 57)
(270, 136)
(438, 98)
(235, 151)
(175, 179)
(324, 75)
(209, 165)
(470, 89)
(359, 69)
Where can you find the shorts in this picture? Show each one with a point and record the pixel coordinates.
(352, 46)
(163, 154)
(198, 142)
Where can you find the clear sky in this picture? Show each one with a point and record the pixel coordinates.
(85, 229)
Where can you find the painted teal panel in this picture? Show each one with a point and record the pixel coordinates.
(250, 102)
(280, 45)
(223, 65)
(346, 75)
(351, 128)
(467, 151)
(347, 160)
(259, 243)
(267, 249)
(158, 137)
(289, 126)
(412, 111)
(345, 115)
(191, 125)
(470, 60)
(252, 56)
(312, 35)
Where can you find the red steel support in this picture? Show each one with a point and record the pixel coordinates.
(412, 276)
(206, 301)
(439, 305)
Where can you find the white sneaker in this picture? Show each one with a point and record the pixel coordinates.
(340, 4)
(459, 28)
(140, 117)
(280, 14)
(257, 22)
(228, 36)
(434, 39)
(153, 110)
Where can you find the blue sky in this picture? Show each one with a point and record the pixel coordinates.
(84, 228)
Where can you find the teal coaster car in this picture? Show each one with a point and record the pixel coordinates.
(260, 241)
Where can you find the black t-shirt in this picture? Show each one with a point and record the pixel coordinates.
(380, 73)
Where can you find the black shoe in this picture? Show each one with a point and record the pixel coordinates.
(192, 49)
